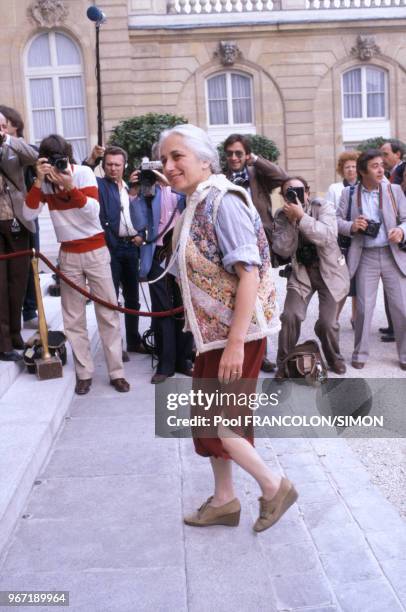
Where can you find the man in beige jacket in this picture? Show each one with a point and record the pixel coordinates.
(15, 156)
(317, 265)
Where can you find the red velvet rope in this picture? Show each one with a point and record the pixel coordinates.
(86, 294)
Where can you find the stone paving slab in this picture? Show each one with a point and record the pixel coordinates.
(109, 590)
(106, 518)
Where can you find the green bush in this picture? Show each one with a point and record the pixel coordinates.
(137, 134)
(260, 145)
(371, 143)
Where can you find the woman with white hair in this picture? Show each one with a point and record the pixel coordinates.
(224, 270)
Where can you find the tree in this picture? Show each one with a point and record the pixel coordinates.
(371, 143)
(260, 145)
(137, 134)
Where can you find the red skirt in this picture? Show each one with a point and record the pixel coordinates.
(205, 373)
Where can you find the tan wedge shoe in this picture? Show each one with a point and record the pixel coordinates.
(271, 510)
(228, 514)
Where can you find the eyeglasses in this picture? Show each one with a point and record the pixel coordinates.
(239, 154)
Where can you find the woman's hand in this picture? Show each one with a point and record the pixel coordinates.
(231, 362)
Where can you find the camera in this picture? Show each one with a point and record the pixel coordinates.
(241, 181)
(147, 177)
(295, 192)
(372, 228)
(286, 271)
(60, 162)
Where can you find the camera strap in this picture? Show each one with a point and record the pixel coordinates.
(352, 188)
(395, 208)
(165, 229)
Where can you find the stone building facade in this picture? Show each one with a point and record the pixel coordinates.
(316, 76)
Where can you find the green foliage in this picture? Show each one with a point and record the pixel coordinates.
(260, 145)
(137, 134)
(371, 143)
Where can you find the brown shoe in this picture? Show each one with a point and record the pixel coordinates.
(120, 385)
(402, 366)
(358, 365)
(228, 514)
(271, 510)
(139, 348)
(338, 366)
(83, 386)
(159, 378)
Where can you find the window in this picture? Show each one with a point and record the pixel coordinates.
(229, 99)
(55, 90)
(364, 93)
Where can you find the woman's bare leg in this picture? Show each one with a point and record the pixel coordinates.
(223, 481)
(245, 455)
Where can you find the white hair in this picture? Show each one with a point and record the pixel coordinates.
(198, 141)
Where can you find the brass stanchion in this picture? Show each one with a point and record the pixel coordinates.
(48, 366)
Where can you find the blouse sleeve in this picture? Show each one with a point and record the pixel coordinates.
(236, 234)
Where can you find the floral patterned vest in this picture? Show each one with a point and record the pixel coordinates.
(208, 290)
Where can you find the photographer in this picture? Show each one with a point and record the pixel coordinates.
(117, 216)
(15, 155)
(15, 127)
(158, 209)
(72, 197)
(317, 265)
(259, 177)
(377, 228)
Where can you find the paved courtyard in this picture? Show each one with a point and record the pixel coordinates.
(103, 519)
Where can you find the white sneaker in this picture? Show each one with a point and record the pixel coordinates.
(31, 323)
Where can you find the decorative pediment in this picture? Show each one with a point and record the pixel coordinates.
(228, 52)
(48, 13)
(365, 48)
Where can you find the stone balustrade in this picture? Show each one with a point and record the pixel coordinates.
(220, 6)
(193, 7)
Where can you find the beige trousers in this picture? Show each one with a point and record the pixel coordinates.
(93, 266)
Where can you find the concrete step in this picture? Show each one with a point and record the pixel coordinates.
(9, 371)
(31, 413)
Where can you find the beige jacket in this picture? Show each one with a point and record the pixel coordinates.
(14, 157)
(319, 226)
(389, 219)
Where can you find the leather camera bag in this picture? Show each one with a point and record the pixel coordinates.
(305, 361)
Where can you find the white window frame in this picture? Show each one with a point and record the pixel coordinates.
(54, 72)
(358, 129)
(364, 93)
(229, 98)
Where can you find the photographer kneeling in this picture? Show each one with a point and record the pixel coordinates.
(317, 265)
(377, 229)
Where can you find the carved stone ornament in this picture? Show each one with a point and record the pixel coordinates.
(48, 13)
(228, 52)
(365, 48)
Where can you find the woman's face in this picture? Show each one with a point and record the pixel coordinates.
(182, 168)
(350, 171)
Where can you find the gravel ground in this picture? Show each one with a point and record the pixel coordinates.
(385, 460)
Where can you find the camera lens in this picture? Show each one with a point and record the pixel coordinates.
(61, 164)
